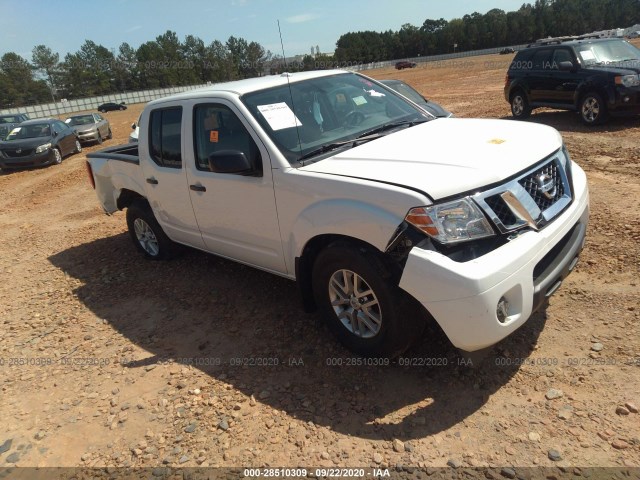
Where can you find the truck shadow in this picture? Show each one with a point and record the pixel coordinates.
(247, 328)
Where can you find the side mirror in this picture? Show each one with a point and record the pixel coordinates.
(566, 66)
(54, 134)
(230, 161)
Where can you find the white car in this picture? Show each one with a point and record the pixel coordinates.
(383, 216)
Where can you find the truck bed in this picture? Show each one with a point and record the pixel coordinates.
(124, 153)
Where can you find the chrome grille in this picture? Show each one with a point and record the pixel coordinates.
(504, 213)
(532, 185)
(531, 200)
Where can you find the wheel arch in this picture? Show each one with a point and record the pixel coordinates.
(127, 197)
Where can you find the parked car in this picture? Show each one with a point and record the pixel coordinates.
(38, 142)
(8, 121)
(403, 89)
(110, 106)
(90, 127)
(405, 64)
(384, 221)
(507, 50)
(595, 77)
(133, 136)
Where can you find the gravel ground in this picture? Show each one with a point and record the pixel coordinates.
(108, 360)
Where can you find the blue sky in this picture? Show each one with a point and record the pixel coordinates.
(64, 25)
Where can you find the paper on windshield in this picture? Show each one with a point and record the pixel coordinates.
(587, 55)
(359, 100)
(279, 116)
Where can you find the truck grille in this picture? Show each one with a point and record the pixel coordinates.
(532, 185)
(531, 200)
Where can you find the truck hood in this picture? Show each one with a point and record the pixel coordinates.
(447, 156)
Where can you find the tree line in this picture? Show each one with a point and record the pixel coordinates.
(493, 29)
(166, 61)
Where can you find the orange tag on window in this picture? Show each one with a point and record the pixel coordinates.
(213, 136)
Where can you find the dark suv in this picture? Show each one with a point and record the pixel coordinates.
(595, 77)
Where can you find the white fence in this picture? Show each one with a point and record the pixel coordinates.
(83, 104)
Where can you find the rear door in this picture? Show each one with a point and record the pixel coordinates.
(236, 212)
(161, 153)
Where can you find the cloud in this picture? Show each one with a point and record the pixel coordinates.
(303, 17)
(133, 29)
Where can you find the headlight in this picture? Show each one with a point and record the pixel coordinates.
(43, 148)
(628, 80)
(451, 222)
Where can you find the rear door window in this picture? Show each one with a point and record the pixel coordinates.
(165, 139)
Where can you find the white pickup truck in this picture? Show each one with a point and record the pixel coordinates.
(383, 215)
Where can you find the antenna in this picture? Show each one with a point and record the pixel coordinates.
(293, 107)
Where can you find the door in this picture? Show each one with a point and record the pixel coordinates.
(66, 138)
(236, 212)
(164, 175)
(562, 83)
(538, 77)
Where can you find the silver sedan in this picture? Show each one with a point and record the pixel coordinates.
(90, 127)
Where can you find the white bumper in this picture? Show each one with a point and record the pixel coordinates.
(463, 297)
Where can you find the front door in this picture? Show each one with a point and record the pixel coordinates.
(236, 212)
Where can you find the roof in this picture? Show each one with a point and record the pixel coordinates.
(39, 120)
(571, 41)
(242, 87)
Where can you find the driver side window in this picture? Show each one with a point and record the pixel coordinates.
(218, 129)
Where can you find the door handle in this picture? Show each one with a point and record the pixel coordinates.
(198, 188)
(152, 181)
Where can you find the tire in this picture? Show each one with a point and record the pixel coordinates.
(78, 148)
(110, 134)
(146, 233)
(121, 109)
(593, 110)
(99, 139)
(363, 307)
(102, 111)
(520, 108)
(57, 156)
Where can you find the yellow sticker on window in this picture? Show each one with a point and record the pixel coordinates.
(497, 141)
(213, 136)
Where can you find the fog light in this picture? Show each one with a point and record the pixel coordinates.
(625, 99)
(502, 310)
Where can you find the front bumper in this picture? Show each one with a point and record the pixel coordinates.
(88, 137)
(463, 297)
(34, 160)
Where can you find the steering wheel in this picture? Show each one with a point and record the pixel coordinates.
(353, 119)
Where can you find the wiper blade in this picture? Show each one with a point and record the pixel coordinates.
(332, 146)
(392, 125)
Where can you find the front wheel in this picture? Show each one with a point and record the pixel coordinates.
(593, 110)
(109, 134)
(99, 139)
(363, 307)
(57, 156)
(78, 148)
(146, 232)
(520, 108)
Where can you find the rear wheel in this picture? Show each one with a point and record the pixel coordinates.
(593, 110)
(363, 307)
(146, 232)
(520, 108)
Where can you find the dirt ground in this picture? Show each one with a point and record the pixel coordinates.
(108, 360)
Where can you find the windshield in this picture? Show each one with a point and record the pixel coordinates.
(326, 111)
(9, 119)
(30, 131)
(614, 52)
(81, 120)
(407, 91)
